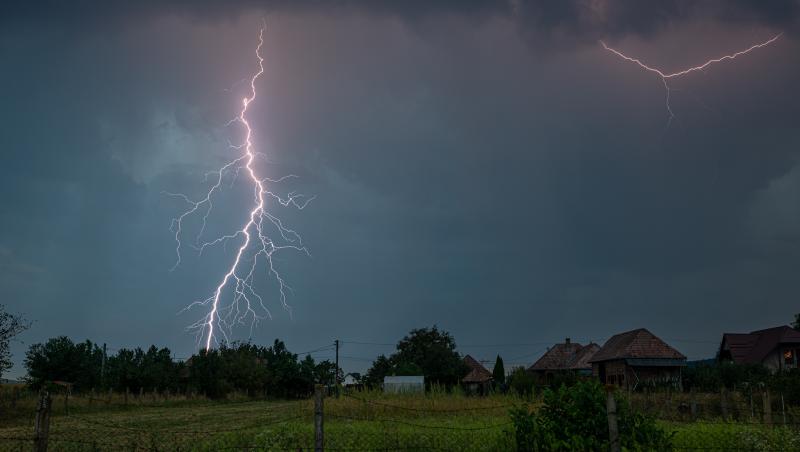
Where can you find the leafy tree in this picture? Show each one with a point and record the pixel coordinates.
(10, 326)
(381, 367)
(499, 371)
(433, 352)
(796, 324)
(61, 359)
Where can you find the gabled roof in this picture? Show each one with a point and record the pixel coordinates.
(566, 356)
(477, 373)
(583, 357)
(639, 343)
(753, 347)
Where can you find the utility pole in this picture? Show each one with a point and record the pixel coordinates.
(336, 343)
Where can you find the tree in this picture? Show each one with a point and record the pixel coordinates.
(499, 371)
(10, 326)
(425, 351)
(61, 359)
(796, 324)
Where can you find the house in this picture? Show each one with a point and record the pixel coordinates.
(414, 384)
(478, 380)
(637, 357)
(775, 348)
(567, 357)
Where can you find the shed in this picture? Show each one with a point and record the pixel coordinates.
(411, 384)
(637, 357)
(478, 379)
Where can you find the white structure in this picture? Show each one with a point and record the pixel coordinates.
(404, 385)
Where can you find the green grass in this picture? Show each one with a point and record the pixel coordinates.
(371, 422)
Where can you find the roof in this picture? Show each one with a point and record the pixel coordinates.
(477, 373)
(639, 344)
(583, 357)
(566, 356)
(753, 347)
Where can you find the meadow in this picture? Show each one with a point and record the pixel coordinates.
(358, 421)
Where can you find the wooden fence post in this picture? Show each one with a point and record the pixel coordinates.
(783, 410)
(319, 435)
(42, 424)
(611, 411)
(723, 403)
(767, 407)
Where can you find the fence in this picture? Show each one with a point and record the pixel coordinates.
(725, 421)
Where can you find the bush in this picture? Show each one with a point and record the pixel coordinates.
(574, 418)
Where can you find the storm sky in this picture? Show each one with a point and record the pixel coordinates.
(483, 166)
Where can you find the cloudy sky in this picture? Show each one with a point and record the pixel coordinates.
(484, 166)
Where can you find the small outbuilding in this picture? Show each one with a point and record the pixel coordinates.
(637, 357)
(478, 380)
(411, 384)
(775, 348)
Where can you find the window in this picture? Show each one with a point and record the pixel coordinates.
(788, 358)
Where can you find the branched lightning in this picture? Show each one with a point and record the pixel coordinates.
(666, 76)
(244, 304)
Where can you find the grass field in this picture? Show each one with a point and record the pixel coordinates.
(359, 422)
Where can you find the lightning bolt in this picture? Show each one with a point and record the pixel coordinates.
(666, 76)
(244, 303)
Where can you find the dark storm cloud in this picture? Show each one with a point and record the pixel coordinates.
(575, 21)
(460, 179)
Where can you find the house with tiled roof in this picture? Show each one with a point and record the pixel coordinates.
(479, 379)
(775, 348)
(564, 358)
(635, 358)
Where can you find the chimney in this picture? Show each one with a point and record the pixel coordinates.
(567, 341)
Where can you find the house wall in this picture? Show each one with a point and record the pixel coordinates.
(619, 373)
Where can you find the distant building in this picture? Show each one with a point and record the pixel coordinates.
(563, 358)
(404, 384)
(637, 357)
(479, 379)
(775, 348)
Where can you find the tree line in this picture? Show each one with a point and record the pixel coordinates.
(239, 367)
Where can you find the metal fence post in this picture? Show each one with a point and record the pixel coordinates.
(319, 434)
(42, 424)
(611, 411)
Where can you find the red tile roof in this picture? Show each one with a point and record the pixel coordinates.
(477, 373)
(566, 356)
(753, 347)
(636, 344)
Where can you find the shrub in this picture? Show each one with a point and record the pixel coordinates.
(574, 418)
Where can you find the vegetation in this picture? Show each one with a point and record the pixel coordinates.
(10, 326)
(499, 372)
(425, 351)
(242, 367)
(575, 418)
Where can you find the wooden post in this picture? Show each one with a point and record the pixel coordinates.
(723, 403)
(127, 393)
(693, 405)
(752, 409)
(66, 402)
(319, 435)
(783, 410)
(611, 411)
(767, 407)
(42, 424)
(110, 392)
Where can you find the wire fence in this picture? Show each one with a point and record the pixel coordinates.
(755, 421)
